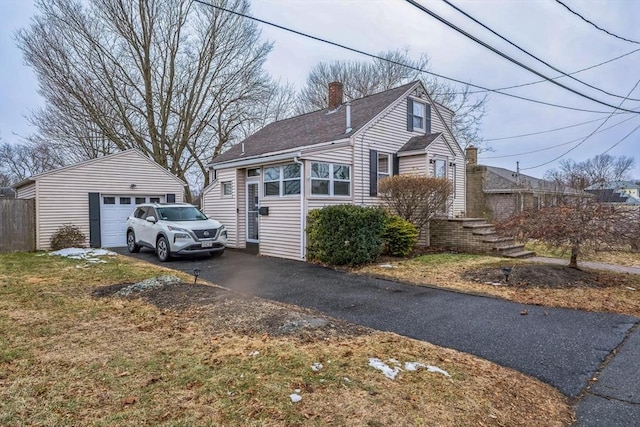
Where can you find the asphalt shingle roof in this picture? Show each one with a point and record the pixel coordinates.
(419, 142)
(313, 128)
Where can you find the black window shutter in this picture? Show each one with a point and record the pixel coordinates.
(94, 220)
(396, 164)
(373, 173)
(410, 114)
(171, 198)
(427, 119)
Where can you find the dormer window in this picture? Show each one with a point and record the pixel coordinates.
(418, 116)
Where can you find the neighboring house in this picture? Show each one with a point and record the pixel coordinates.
(616, 192)
(97, 196)
(7, 193)
(263, 188)
(496, 193)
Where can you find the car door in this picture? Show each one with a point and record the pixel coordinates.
(148, 229)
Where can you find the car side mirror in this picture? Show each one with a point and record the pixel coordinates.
(152, 219)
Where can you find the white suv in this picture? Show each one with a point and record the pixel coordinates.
(174, 229)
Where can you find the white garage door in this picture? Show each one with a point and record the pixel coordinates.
(114, 211)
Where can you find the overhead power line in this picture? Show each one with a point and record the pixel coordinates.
(370, 55)
(507, 57)
(546, 131)
(596, 26)
(555, 145)
(532, 55)
(585, 138)
(619, 142)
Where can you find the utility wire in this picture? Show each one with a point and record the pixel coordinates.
(555, 146)
(585, 139)
(532, 55)
(507, 57)
(625, 137)
(599, 28)
(546, 131)
(361, 52)
(557, 77)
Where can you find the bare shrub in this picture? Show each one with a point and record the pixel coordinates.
(68, 236)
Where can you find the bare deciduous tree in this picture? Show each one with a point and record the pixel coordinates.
(362, 78)
(416, 199)
(599, 169)
(20, 161)
(173, 78)
(583, 224)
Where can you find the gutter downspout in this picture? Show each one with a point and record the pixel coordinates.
(303, 217)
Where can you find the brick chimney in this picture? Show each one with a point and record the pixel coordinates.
(472, 155)
(335, 95)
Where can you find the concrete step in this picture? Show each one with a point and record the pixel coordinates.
(520, 254)
(504, 249)
(497, 239)
(477, 225)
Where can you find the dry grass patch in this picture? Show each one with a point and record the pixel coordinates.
(614, 292)
(625, 257)
(68, 358)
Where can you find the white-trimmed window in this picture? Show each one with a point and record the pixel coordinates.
(282, 180)
(330, 179)
(384, 165)
(253, 172)
(418, 115)
(227, 188)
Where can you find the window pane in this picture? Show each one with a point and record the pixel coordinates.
(417, 122)
(291, 171)
(340, 188)
(227, 189)
(441, 171)
(271, 188)
(319, 170)
(341, 172)
(418, 109)
(272, 174)
(383, 164)
(154, 199)
(253, 172)
(292, 187)
(140, 200)
(109, 200)
(125, 200)
(319, 186)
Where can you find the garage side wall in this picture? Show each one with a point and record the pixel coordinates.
(63, 196)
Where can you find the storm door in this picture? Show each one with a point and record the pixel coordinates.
(252, 211)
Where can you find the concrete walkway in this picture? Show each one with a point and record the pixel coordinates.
(586, 264)
(565, 348)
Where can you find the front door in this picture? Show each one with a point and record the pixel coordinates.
(252, 211)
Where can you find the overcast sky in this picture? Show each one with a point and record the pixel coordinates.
(543, 27)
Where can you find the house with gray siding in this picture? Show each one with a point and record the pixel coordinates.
(263, 188)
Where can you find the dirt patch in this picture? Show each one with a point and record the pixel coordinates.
(541, 276)
(228, 311)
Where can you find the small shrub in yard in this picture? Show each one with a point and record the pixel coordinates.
(399, 236)
(345, 234)
(68, 236)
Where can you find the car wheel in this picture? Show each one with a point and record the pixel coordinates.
(131, 243)
(217, 253)
(162, 249)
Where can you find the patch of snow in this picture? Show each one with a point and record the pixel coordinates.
(295, 398)
(254, 353)
(316, 366)
(347, 379)
(149, 284)
(82, 253)
(386, 266)
(388, 372)
(630, 288)
(414, 366)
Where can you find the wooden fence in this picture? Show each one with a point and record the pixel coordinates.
(17, 225)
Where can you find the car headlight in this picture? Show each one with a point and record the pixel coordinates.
(181, 236)
(172, 228)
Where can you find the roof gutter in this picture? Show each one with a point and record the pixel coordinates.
(258, 160)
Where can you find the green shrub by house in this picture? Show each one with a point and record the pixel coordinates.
(399, 236)
(345, 234)
(67, 236)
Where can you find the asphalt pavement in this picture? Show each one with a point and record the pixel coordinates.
(562, 347)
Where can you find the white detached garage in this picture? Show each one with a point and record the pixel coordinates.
(97, 196)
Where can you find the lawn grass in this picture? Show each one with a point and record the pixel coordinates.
(617, 257)
(446, 270)
(67, 358)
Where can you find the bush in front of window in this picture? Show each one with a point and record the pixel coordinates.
(399, 236)
(67, 236)
(345, 234)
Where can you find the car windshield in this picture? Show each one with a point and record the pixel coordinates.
(181, 213)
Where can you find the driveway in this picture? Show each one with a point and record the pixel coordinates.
(565, 348)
